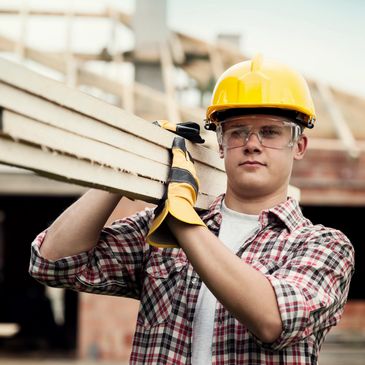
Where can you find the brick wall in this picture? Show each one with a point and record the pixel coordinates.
(353, 318)
(106, 327)
(106, 323)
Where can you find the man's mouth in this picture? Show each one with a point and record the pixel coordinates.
(252, 163)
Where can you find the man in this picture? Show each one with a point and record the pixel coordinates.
(250, 280)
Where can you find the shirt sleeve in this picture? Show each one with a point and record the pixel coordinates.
(113, 267)
(312, 287)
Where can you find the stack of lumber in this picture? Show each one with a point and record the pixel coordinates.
(64, 134)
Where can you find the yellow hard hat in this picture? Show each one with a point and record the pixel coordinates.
(264, 86)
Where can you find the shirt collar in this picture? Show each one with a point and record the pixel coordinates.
(287, 213)
(213, 216)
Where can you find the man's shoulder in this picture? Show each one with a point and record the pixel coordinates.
(323, 237)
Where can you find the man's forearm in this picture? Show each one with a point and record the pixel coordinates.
(244, 291)
(78, 228)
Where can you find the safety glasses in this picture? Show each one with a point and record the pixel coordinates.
(271, 131)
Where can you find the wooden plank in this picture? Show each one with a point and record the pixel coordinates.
(71, 65)
(169, 84)
(103, 153)
(6, 44)
(122, 17)
(33, 184)
(215, 61)
(87, 105)
(332, 197)
(90, 78)
(54, 165)
(342, 129)
(70, 99)
(20, 46)
(177, 50)
(57, 62)
(54, 12)
(332, 144)
(131, 149)
(66, 168)
(52, 114)
(50, 134)
(23, 128)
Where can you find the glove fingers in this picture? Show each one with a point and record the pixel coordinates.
(179, 143)
(190, 131)
(165, 124)
(191, 125)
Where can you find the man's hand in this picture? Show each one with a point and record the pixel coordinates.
(188, 130)
(179, 199)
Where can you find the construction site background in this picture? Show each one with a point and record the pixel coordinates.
(143, 66)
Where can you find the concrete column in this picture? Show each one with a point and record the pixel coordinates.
(150, 29)
(229, 40)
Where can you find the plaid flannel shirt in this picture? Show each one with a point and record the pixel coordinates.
(309, 267)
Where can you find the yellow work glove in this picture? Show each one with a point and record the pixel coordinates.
(188, 130)
(179, 199)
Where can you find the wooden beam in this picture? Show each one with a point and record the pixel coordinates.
(59, 102)
(32, 131)
(332, 144)
(216, 62)
(52, 61)
(69, 169)
(71, 65)
(64, 134)
(7, 44)
(115, 87)
(57, 62)
(177, 49)
(342, 129)
(29, 183)
(122, 17)
(332, 197)
(23, 15)
(57, 128)
(169, 83)
(44, 114)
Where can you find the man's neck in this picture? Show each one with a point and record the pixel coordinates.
(253, 204)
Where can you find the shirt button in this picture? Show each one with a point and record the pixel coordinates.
(194, 280)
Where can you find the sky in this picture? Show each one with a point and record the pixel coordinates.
(323, 39)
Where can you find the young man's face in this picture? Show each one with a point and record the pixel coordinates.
(259, 151)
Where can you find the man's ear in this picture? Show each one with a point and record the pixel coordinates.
(300, 147)
(221, 151)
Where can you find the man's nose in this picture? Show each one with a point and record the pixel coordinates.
(253, 139)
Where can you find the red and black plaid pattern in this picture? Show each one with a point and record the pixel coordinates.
(309, 267)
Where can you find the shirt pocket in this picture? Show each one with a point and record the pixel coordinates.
(164, 276)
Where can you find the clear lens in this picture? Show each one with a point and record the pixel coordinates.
(272, 132)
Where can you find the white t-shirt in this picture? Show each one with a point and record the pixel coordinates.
(235, 229)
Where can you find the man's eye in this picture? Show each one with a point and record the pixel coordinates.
(236, 134)
(270, 132)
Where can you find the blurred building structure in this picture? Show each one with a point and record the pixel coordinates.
(153, 79)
